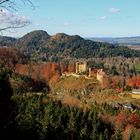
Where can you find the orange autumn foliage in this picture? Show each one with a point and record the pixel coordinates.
(45, 71)
(71, 67)
(121, 121)
(22, 69)
(55, 78)
(134, 119)
(134, 82)
(38, 71)
(127, 132)
(63, 67)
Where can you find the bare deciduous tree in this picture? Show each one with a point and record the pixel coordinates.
(9, 19)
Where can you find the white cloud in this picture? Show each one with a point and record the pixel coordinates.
(114, 10)
(12, 19)
(103, 17)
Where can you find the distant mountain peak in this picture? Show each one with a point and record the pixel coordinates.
(37, 33)
(61, 34)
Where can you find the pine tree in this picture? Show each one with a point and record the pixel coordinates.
(134, 135)
(84, 133)
(101, 136)
(105, 134)
(118, 135)
(94, 134)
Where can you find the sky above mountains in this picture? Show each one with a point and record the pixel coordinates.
(88, 18)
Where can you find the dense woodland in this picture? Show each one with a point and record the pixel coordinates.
(122, 73)
(40, 46)
(30, 116)
(31, 69)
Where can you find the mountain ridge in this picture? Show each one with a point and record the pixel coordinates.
(7, 41)
(39, 45)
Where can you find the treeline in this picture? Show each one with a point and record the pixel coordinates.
(9, 57)
(120, 73)
(36, 117)
(7, 41)
(54, 120)
(120, 83)
(33, 116)
(48, 71)
(119, 66)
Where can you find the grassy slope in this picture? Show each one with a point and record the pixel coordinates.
(69, 90)
(73, 83)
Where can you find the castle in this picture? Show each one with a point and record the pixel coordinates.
(81, 67)
(99, 74)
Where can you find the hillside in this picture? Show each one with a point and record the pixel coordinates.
(39, 45)
(7, 41)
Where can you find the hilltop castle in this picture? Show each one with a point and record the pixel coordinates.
(99, 74)
(81, 67)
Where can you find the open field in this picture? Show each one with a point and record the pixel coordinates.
(137, 67)
(134, 47)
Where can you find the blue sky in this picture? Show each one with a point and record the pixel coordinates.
(88, 18)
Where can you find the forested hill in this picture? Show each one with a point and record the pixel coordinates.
(7, 41)
(39, 45)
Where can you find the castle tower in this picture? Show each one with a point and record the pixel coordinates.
(100, 75)
(81, 67)
(89, 70)
(77, 67)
